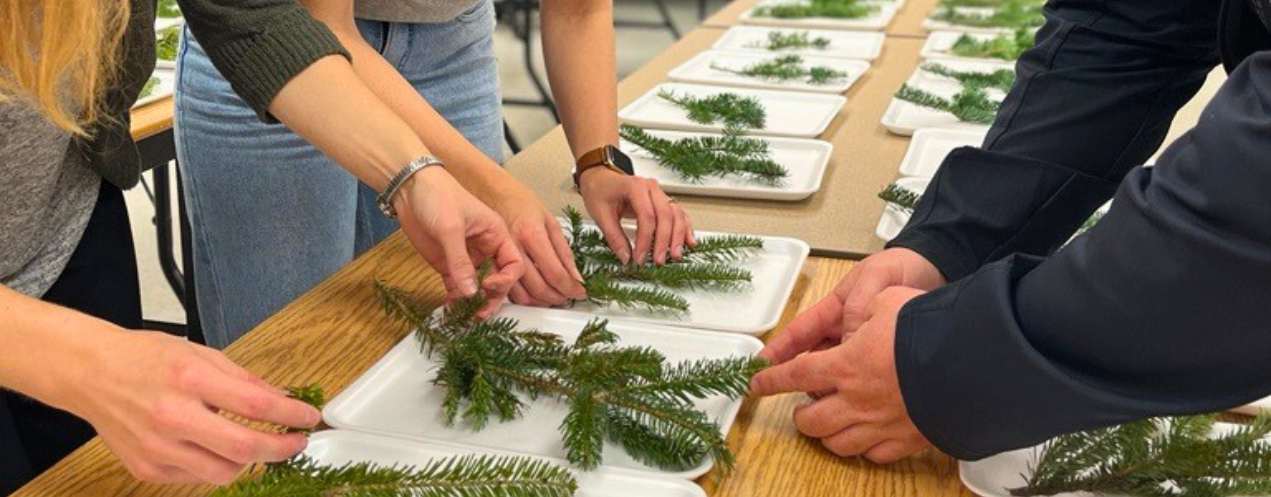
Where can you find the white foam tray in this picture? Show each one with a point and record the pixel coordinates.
(922, 77)
(931, 24)
(939, 44)
(903, 118)
(162, 89)
(794, 114)
(893, 219)
(339, 447)
(861, 45)
(396, 397)
(702, 69)
(929, 147)
(1260, 407)
(804, 159)
(878, 21)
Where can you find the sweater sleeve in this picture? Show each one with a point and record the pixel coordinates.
(259, 45)
(1160, 309)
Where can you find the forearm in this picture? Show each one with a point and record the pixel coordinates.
(45, 346)
(578, 46)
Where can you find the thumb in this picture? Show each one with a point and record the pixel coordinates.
(457, 266)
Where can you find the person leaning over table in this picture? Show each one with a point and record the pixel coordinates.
(256, 190)
(69, 296)
(1163, 308)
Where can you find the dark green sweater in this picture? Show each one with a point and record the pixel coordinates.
(258, 45)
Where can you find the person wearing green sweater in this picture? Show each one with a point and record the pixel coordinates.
(74, 361)
(432, 62)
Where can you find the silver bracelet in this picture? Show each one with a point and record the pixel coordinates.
(385, 199)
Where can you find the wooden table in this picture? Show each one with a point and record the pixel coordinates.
(152, 119)
(336, 331)
(907, 23)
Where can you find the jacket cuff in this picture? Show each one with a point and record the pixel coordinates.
(953, 263)
(260, 65)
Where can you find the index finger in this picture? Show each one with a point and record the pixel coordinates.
(805, 331)
(253, 401)
(810, 372)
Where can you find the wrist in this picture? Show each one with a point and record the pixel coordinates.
(78, 352)
(429, 179)
(597, 175)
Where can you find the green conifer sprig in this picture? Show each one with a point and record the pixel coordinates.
(699, 157)
(901, 197)
(985, 3)
(1156, 457)
(463, 476)
(786, 68)
(791, 40)
(971, 105)
(629, 395)
(1001, 79)
(165, 46)
(729, 109)
(167, 9)
(1006, 14)
(148, 88)
(1004, 46)
(834, 9)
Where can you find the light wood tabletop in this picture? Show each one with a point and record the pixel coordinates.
(907, 23)
(336, 331)
(152, 118)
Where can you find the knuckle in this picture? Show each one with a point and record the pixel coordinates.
(256, 406)
(145, 471)
(167, 415)
(242, 449)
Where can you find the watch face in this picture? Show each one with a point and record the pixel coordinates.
(621, 161)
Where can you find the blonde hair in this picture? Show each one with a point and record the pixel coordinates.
(61, 56)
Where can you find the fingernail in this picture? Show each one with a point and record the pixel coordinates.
(468, 287)
(624, 256)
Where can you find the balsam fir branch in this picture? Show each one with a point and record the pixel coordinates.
(463, 476)
(791, 40)
(984, 3)
(786, 68)
(1001, 79)
(1156, 457)
(626, 394)
(834, 9)
(165, 47)
(730, 109)
(901, 197)
(1007, 14)
(970, 105)
(1004, 46)
(699, 157)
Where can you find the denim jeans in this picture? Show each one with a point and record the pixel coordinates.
(271, 215)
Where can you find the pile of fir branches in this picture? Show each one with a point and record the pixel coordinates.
(642, 285)
(461, 476)
(972, 104)
(727, 109)
(696, 158)
(1015, 14)
(1001, 79)
(628, 395)
(786, 68)
(1160, 457)
(1004, 46)
(834, 9)
(901, 197)
(791, 40)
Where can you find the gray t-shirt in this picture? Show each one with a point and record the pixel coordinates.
(47, 195)
(412, 11)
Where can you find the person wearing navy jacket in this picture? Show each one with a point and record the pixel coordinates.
(975, 332)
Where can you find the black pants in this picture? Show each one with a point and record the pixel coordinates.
(100, 280)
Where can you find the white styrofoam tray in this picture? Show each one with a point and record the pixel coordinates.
(894, 219)
(1260, 407)
(794, 114)
(932, 24)
(704, 68)
(903, 118)
(992, 476)
(923, 77)
(863, 45)
(753, 310)
(339, 447)
(396, 396)
(877, 21)
(940, 43)
(930, 146)
(804, 159)
(162, 89)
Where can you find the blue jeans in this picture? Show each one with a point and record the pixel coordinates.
(271, 215)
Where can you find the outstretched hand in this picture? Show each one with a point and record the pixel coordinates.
(663, 229)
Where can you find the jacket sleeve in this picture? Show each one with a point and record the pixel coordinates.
(1160, 309)
(1092, 99)
(259, 45)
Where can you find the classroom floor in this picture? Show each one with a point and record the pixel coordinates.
(635, 46)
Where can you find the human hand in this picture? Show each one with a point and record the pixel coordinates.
(663, 229)
(154, 400)
(846, 308)
(456, 233)
(551, 277)
(862, 412)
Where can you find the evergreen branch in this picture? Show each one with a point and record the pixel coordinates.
(148, 88)
(791, 40)
(1004, 46)
(903, 198)
(786, 68)
(166, 43)
(1156, 457)
(167, 9)
(463, 476)
(970, 105)
(685, 275)
(602, 290)
(1015, 14)
(1001, 79)
(721, 248)
(698, 157)
(727, 108)
(833, 9)
(984, 3)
